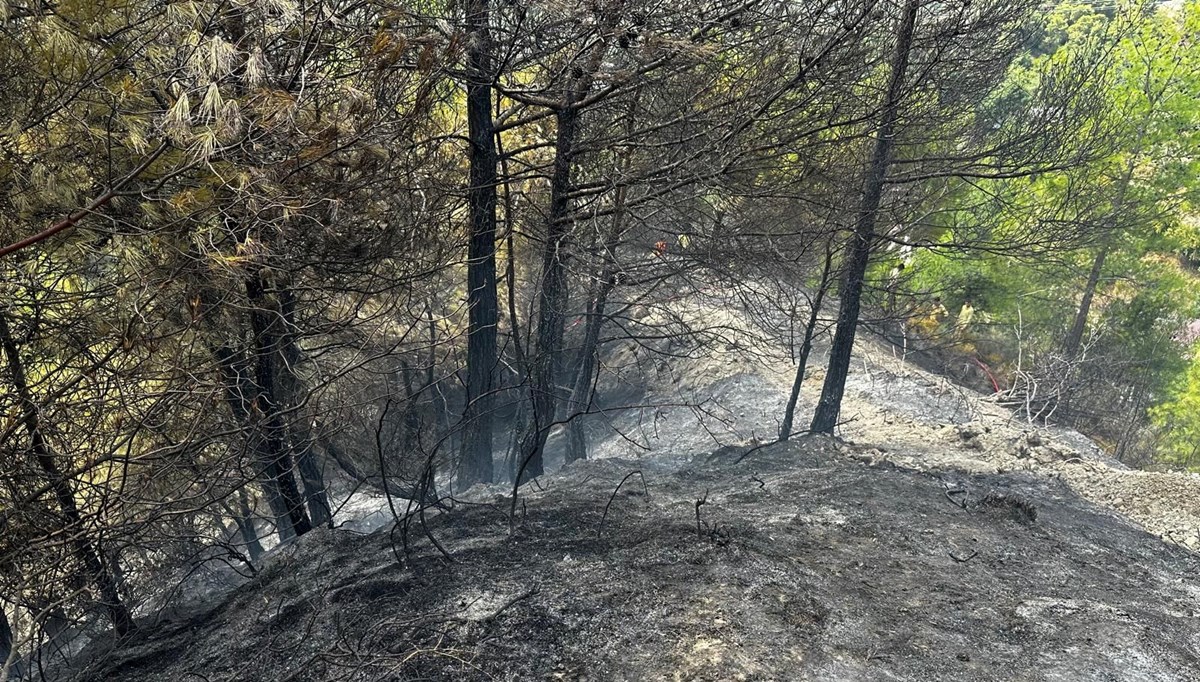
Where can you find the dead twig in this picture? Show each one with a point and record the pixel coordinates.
(875, 655)
(950, 493)
(962, 560)
(509, 603)
(612, 497)
(512, 602)
(754, 449)
(700, 503)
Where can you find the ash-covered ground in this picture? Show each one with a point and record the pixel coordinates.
(801, 561)
(941, 537)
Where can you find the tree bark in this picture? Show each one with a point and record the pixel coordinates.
(789, 413)
(1074, 340)
(85, 551)
(475, 462)
(863, 240)
(299, 431)
(264, 409)
(552, 300)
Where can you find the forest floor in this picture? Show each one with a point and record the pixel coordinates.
(941, 538)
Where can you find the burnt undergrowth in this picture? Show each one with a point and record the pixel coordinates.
(808, 564)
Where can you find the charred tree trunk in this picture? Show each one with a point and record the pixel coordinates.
(438, 404)
(863, 240)
(522, 424)
(581, 392)
(264, 409)
(789, 413)
(312, 477)
(238, 389)
(516, 437)
(299, 431)
(244, 518)
(553, 292)
(6, 644)
(552, 301)
(1073, 344)
(475, 463)
(85, 551)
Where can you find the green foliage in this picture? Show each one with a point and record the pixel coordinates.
(1020, 250)
(1178, 419)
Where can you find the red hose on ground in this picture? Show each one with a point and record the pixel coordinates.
(988, 372)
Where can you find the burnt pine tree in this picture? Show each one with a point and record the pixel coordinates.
(265, 409)
(552, 291)
(291, 394)
(43, 453)
(863, 238)
(810, 329)
(475, 464)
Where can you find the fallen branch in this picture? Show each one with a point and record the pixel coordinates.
(957, 491)
(756, 448)
(963, 560)
(509, 603)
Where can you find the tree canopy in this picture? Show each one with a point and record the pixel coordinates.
(254, 252)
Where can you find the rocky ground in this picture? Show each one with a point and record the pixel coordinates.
(940, 538)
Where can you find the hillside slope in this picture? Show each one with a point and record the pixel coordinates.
(893, 410)
(942, 538)
(807, 564)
